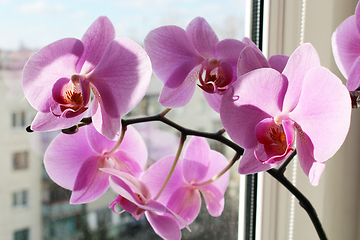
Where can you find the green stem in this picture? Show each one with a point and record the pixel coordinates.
(217, 176)
(117, 145)
(181, 145)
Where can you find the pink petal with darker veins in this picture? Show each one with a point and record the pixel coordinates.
(65, 156)
(186, 202)
(181, 95)
(100, 33)
(202, 36)
(345, 43)
(250, 59)
(120, 80)
(300, 62)
(278, 62)
(172, 54)
(196, 160)
(214, 199)
(90, 182)
(164, 225)
(323, 112)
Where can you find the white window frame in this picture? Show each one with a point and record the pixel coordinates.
(336, 198)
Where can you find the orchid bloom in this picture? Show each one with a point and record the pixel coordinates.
(346, 49)
(73, 161)
(179, 57)
(265, 108)
(182, 194)
(135, 198)
(58, 79)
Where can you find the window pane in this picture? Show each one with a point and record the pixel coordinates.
(32, 187)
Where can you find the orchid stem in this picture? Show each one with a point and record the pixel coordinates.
(217, 176)
(181, 145)
(303, 201)
(282, 168)
(117, 145)
(163, 113)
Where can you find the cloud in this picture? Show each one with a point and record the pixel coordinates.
(40, 7)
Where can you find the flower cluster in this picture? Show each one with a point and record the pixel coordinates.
(269, 107)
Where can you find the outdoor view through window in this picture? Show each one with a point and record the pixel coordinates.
(32, 205)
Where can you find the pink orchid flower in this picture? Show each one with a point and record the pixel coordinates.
(346, 49)
(73, 161)
(179, 57)
(58, 79)
(265, 108)
(135, 198)
(182, 194)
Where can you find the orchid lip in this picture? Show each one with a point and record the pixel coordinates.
(276, 138)
(217, 77)
(72, 96)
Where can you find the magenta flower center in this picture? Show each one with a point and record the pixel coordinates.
(215, 76)
(72, 95)
(274, 139)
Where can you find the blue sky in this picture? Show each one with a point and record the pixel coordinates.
(36, 23)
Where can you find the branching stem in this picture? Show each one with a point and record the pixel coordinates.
(278, 174)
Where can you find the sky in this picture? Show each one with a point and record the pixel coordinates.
(36, 23)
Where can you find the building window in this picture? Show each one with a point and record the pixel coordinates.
(20, 160)
(21, 198)
(19, 119)
(22, 234)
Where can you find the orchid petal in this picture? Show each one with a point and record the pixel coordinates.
(45, 67)
(217, 163)
(121, 79)
(249, 163)
(202, 36)
(90, 182)
(123, 161)
(214, 199)
(185, 202)
(100, 33)
(129, 207)
(214, 100)
(242, 108)
(229, 50)
(250, 59)
(127, 185)
(251, 44)
(309, 165)
(300, 62)
(180, 96)
(357, 17)
(65, 156)
(172, 54)
(109, 127)
(354, 78)
(156, 175)
(278, 62)
(49, 122)
(135, 146)
(345, 43)
(323, 112)
(196, 159)
(164, 225)
(98, 142)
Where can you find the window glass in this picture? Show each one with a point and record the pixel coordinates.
(27, 26)
(20, 160)
(21, 234)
